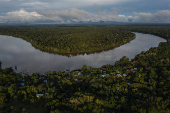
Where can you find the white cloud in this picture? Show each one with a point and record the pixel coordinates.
(21, 16)
(76, 15)
(160, 16)
(66, 15)
(81, 15)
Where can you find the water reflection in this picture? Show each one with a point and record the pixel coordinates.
(17, 52)
(77, 54)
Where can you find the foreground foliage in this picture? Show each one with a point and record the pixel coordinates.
(145, 89)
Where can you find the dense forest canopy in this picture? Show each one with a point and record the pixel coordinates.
(141, 85)
(70, 39)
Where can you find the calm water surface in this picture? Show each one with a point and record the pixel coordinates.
(17, 52)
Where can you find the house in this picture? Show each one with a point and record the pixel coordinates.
(22, 84)
(103, 75)
(76, 80)
(124, 75)
(54, 88)
(132, 71)
(128, 84)
(80, 74)
(45, 81)
(92, 73)
(39, 95)
(119, 75)
(67, 71)
(104, 72)
(41, 78)
(135, 68)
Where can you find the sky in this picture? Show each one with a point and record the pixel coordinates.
(77, 11)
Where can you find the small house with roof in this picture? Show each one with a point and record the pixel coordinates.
(76, 80)
(103, 75)
(119, 75)
(54, 88)
(67, 71)
(104, 72)
(41, 78)
(135, 68)
(22, 84)
(124, 75)
(92, 73)
(39, 95)
(45, 81)
(80, 74)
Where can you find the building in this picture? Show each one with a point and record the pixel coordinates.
(119, 75)
(39, 95)
(54, 88)
(45, 81)
(41, 78)
(80, 74)
(124, 75)
(135, 68)
(128, 84)
(92, 73)
(22, 84)
(104, 72)
(67, 71)
(103, 75)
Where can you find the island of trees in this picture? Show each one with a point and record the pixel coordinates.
(70, 39)
(141, 85)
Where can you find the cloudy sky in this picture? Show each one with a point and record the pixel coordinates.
(75, 11)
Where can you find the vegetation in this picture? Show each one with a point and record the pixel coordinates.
(141, 85)
(70, 39)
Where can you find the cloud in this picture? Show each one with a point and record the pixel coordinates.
(160, 16)
(21, 16)
(67, 15)
(5, 0)
(76, 15)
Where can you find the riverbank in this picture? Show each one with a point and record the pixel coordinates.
(65, 40)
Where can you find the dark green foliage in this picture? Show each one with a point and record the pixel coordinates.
(68, 39)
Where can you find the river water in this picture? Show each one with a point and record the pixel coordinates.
(17, 52)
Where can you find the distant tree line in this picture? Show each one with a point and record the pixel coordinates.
(77, 39)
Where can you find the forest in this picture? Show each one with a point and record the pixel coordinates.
(70, 39)
(140, 85)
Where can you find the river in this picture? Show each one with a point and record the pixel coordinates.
(18, 52)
